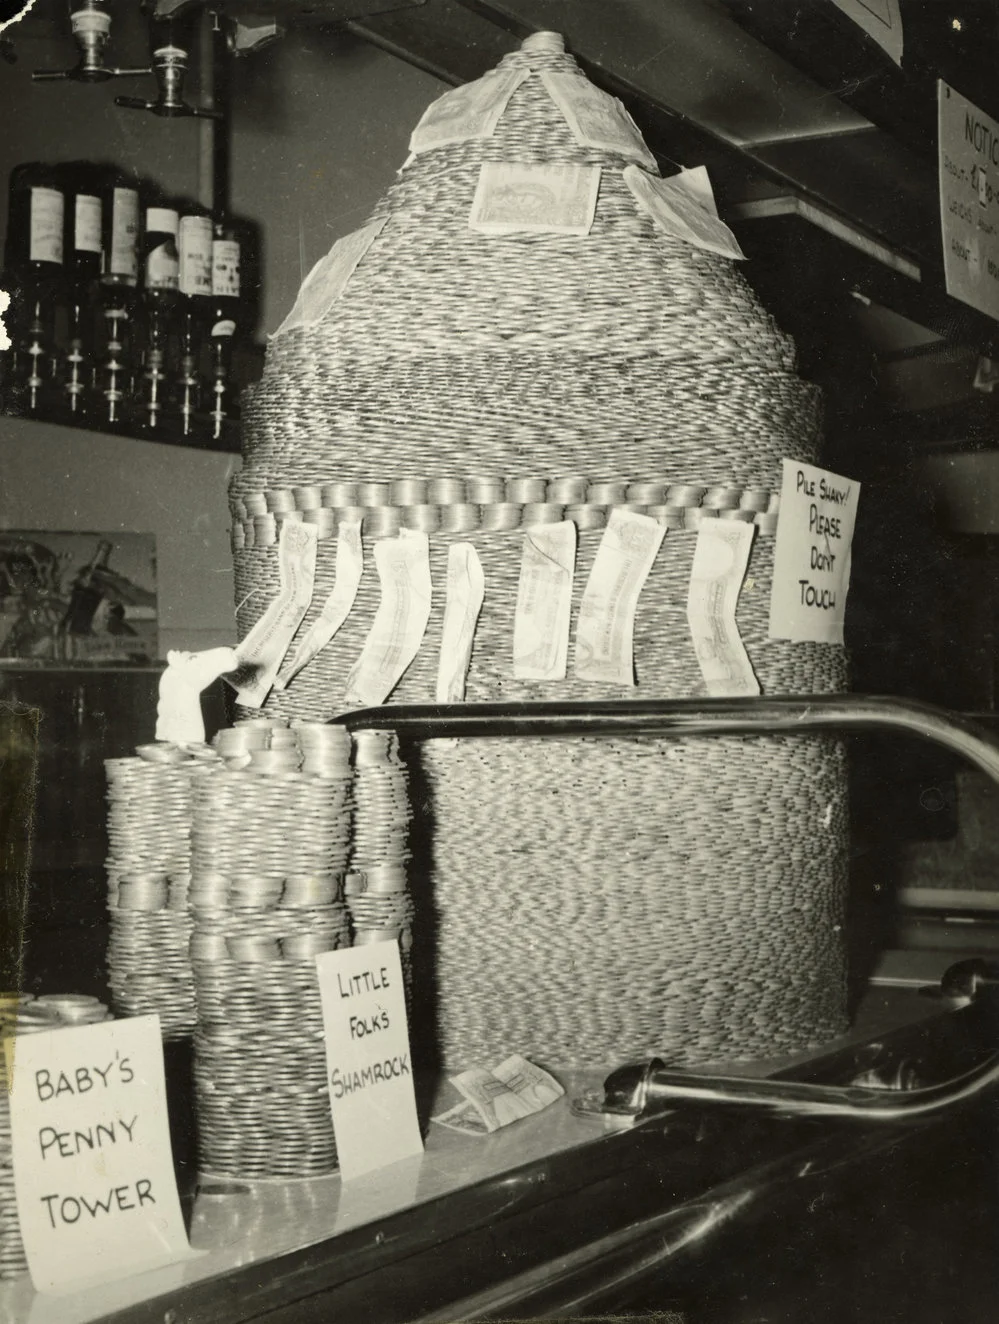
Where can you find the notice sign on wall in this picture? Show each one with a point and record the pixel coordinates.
(818, 510)
(367, 1057)
(969, 200)
(93, 1170)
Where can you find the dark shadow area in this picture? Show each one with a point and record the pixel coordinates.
(423, 995)
(18, 769)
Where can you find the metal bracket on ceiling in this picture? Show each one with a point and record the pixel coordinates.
(256, 15)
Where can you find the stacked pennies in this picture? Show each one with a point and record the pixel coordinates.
(557, 932)
(270, 836)
(148, 867)
(377, 887)
(566, 352)
(23, 1014)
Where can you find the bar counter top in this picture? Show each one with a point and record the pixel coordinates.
(543, 1216)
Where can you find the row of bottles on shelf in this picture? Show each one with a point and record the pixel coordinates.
(125, 304)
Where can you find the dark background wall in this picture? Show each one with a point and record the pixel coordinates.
(321, 123)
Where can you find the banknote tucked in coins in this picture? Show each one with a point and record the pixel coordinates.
(720, 560)
(544, 602)
(597, 119)
(494, 1098)
(400, 622)
(465, 591)
(605, 629)
(328, 278)
(537, 199)
(336, 608)
(684, 206)
(470, 111)
(262, 650)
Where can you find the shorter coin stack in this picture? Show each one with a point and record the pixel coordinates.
(270, 842)
(377, 888)
(22, 1014)
(148, 866)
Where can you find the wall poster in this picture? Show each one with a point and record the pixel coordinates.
(77, 598)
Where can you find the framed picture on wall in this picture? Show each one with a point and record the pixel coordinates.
(77, 599)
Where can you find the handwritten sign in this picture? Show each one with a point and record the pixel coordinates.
(367, 1057)
(969, 200)
(93, 1170)
(818, 510)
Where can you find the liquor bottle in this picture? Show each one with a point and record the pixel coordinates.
(34, 268)
(227, 314)
(120, 230)
(81, 183)
(195, 248)
(160, 265)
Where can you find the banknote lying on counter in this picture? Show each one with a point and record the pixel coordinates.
(514, 1089)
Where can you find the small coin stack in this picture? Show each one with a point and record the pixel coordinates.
(22, 1014)
(270, 839)
(377, 888)
(149, 866)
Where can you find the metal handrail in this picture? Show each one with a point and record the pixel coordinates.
(685, 717)
(634, 1090)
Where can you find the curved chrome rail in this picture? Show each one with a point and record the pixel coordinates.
(634, 1090)
(686, 717)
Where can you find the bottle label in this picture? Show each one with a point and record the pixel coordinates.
(87, 224)
(47, 210)
(224, 328)
(225, 268)
(163, 268)
(162, 220)
(124, 258)
(195, 245)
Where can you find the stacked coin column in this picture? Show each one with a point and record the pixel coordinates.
(381, 907)
(148, 866)
(23, 1014)
(270, 842)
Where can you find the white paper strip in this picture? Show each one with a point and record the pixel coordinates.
(596, 118)
(605, 630)
(544, 602)
(720, 560)
(400, 622)
(264, 647)
(328, 278)
(336, 608)
(680, 206)
(470, 111)
(535, 199)
(465, 591)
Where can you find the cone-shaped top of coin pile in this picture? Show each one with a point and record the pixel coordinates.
(511, 307)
